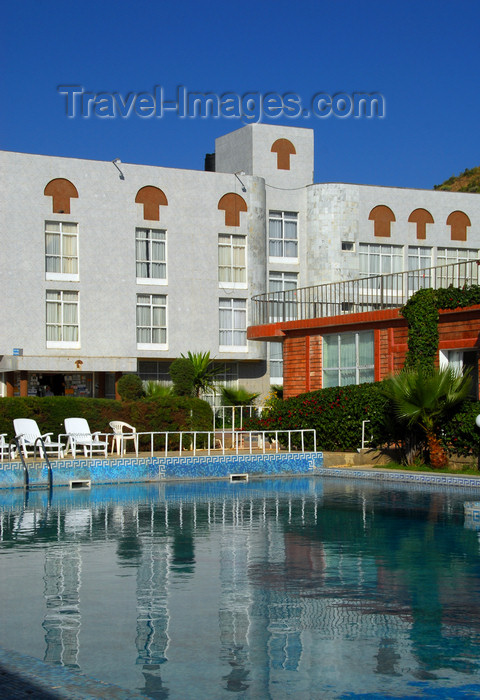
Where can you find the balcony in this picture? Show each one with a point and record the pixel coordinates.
(360, 295)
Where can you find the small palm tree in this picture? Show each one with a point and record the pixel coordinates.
(426, 399)
(237, 397)
(154, 390)
(204, 372)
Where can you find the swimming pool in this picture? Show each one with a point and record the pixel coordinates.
(305, 587)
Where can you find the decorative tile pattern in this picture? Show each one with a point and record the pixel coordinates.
(131, 469)
(224, 465)
(412, 477)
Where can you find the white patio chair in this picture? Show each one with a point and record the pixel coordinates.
(121, 432)
(28, 432)
(80, 435)
(6, 451)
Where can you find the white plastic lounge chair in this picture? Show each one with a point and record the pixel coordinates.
(6, 451)
(28, 432)
(80, 435)
(121, 432)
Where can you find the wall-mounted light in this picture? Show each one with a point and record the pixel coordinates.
(240, 172)
(116, 163)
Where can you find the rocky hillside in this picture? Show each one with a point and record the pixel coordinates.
(468, 181)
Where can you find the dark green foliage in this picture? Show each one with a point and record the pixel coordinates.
(147, 415)
(421, 314)
(460, 434)
(182, 373)
(457, 297)
(237, 397)
(336, 414)
(204, 372)
(130, 387)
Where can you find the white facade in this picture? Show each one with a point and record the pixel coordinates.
(102, 290)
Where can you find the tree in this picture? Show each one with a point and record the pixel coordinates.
(425, 399)
(182, 373)
(204, 372)
(130, 387)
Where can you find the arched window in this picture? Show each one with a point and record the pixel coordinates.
(151, 197)
(284, 149)
(382, 218)
(421, 217)
(232, 204)
(61, 191)
(458, 222)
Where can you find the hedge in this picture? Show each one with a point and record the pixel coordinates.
(336, 414)
(147, 415)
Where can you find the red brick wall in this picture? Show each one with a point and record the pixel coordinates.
(302, 348)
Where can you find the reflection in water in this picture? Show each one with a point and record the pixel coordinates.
(263, 589)
(62, 621)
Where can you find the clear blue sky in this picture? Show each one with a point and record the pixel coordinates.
(423, 56)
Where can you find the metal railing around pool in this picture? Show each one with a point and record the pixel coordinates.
(200, 442)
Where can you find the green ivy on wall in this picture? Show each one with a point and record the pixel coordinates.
(421, 314)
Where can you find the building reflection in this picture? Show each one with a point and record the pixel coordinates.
(300, 577)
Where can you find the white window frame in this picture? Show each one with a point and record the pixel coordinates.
(283, 309)
(419, 258)
(146, 238)
(232, 242)
(61, 256)
(152, 302)
(388, 255)
(234, 306)
(357, 368)
(449, 255)
(276, 362)
(282, 217)
(62, 301)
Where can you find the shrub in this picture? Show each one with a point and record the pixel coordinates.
(336, 414)
(130, 387)
(182, 373)
(460, 435)
(154, 390)
(147, 415)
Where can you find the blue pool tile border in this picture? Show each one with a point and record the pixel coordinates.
(147, 469)
(160, 468)
(404, 477)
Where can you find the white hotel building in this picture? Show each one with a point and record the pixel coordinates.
(117, 268)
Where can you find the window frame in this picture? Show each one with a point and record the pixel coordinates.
(282, 279)
(231, 284)
(229, 305)
(283, 217)
(62, 257)
(339, 367)
(150, 262)
(61, 302)
(142, 345)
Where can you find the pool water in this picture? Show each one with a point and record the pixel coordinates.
(301, 587)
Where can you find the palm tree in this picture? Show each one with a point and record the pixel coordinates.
(237, 397)
(155, 390)
(426, 399)
(204, 372)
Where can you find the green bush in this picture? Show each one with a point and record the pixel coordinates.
(182, 373)
(460, 435)
(336, 414)
(130, 387)
(147, 415)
